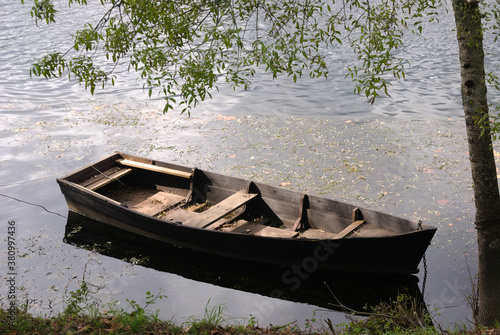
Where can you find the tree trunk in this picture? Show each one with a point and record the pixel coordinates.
(484, 175)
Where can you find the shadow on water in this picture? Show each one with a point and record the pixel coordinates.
(332, 290)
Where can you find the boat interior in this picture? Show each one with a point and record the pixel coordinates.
(201, 199)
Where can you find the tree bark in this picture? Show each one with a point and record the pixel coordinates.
(484, 175)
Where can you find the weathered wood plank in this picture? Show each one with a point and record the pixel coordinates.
(218, 225)
(155, 168)
(253, 228)
(316, 234)
(212, 214)
(287, 212)
(327, 221)
(333, 207)
(224, 182)
(349, 229)
(89, 171)
(98, 176)
(157, 203)
(83, 194)
(105, 178)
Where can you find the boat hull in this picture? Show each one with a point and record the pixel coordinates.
(399, 254)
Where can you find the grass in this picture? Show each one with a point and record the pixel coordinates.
(112, 323)
(118, 322)
(213, 322)
(82, 315)
(402, 316)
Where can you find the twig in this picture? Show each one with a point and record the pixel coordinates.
(353, 311)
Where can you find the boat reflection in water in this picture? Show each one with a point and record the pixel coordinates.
(298, 283)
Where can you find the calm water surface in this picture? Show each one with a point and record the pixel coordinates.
(404, 155)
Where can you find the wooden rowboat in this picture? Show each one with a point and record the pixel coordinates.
(237, 218)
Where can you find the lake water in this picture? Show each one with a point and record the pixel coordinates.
(405, 155)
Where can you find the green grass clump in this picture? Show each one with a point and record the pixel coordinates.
(401, 316)
(84, 324)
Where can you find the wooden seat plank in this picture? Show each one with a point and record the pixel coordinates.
(157, 203)
(216, 225)
(105, 178)
(181, 216)
(254, 228)
(214, 213)
(155, 168)
(349, 229)
(99, 176)
(317, 234)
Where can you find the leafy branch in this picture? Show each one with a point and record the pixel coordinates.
(183, 49)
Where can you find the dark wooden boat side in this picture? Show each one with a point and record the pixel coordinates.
(397, 254)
